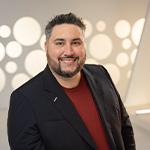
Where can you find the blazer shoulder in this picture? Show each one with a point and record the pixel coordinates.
(31, 85)
(96, 69)
(99, 73)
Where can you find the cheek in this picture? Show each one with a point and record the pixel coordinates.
(81, 53)
(51, 51)
(53, 54)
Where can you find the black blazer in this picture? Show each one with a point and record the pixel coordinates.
(41, 116)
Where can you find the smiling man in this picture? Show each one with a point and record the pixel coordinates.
(69, 105)
(65, 50)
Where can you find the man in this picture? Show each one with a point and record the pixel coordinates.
(68, 106)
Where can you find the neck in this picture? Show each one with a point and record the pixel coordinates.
(68, 82)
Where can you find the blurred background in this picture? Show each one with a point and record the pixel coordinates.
(117, 37)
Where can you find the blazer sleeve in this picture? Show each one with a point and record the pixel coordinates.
(127, 129)
(23, 133)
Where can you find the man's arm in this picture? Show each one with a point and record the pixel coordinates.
(23, 132)
(127, 129)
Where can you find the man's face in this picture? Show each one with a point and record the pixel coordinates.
(65, 50)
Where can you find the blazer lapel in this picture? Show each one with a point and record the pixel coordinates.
(99, 99)
(64, 105)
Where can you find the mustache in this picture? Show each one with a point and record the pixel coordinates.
(64, 57)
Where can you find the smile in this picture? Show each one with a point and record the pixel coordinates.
(68, 59)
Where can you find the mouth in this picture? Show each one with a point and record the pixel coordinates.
(68, 59)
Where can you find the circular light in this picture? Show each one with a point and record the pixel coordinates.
(122, 59)
(27, 31)
(122, 28)
(89, 29)
(129, 74)
(11, 67)
(133, 55)
(2, 80)
(137, 31)
(91, 61)
(5, 31)
(42, 42)
(114, 72)
(126, 44)
(2, 52)
(101, 26)
(35, 62)
(100, 46)
(13, 49)
(19, 79)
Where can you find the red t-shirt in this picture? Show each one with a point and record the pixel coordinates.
(83, 101)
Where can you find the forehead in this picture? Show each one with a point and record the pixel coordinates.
(66, 30)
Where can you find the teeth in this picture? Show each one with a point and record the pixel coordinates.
(68, 59)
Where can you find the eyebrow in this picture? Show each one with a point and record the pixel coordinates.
(59, 39)
(76, 39)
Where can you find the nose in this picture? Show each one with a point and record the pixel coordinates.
(68, 49)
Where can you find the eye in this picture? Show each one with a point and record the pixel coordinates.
(59, 43)
(76, 43)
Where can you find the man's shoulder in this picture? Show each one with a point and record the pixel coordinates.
(32, 85)
(94, 68)
(97, 71)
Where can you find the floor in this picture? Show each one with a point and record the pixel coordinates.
(141, 126)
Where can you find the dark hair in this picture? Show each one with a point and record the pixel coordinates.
(69, 18)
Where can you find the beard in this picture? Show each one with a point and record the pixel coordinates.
(58, 68)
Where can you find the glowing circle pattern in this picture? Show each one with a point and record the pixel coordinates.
(19, 79)
(42, 41)
(2, 51)
(27, 31)
(11, 67)
(91, 61)
(133, 55)
(89, 28)
(114, 72)
(101, 26)
(2, 80)
(5, 31)
(122, 28)
(100, 46)
(126, 44)
(137, 31)
(129, 74)
(122, 59)
(35, 62)
(13, 49)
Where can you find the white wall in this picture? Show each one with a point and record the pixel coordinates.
(139, 86)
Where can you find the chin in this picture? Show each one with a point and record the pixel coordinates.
(69, 73)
